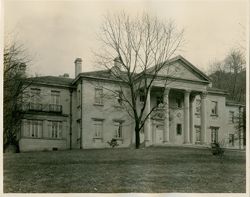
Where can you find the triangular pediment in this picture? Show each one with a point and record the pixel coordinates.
(180, 68)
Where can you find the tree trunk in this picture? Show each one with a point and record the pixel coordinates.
(137, 136)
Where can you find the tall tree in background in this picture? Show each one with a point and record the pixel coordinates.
(139, 45)
(230, 75)
(14, 76)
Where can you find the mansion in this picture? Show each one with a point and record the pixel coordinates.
(75, 113)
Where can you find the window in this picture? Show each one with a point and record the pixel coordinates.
(34, 128)
(231, 117)
(159, 100)
(78, 130)
(98, 126)
(79, 97)
(214, 109)
(55, 129)
(119, 97)
(99, 96)
(214, 134)
(142, 97)
(55, 97)
(178, 102)
(55, 102)
(179, 129)
(35, 95)
(118, 129)
(197, 134)
(231, 139)
(198, 106)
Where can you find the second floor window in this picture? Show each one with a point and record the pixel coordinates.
(159, 100)
(178, 102)
(198, 106)
(231, 117)
(55, 97)
(35, 95)
(142, 98)
(78, 97)
(99, 96)
(119, 97)
(214, 108)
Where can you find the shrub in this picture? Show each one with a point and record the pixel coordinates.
(113, 143)
(217, 149)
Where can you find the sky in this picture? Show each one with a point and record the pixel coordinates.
(55, 33)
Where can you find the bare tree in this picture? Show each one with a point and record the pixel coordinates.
(141, 48)
(230, 74)
(240, 126)
(14, 89)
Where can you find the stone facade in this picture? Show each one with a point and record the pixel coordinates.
(80, 113)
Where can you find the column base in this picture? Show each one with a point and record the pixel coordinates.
(147, 143)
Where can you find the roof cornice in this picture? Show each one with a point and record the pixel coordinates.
(51, 85)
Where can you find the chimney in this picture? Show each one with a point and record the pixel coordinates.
(78, 66)
(22, 69)
(66, 75)
(117, 63)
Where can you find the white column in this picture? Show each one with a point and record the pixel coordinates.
(147, 124)
(203, 117)
(186, 117)
(191, 120)
(153, 131)
(166, 112)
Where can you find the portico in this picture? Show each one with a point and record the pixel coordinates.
(172, 121)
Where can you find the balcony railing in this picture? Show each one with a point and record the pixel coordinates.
(35, 107)
(55, 108)
(158, 113)
(41, 107)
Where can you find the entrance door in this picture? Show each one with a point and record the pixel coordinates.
(159, 134)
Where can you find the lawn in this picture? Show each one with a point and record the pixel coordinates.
(165, 169)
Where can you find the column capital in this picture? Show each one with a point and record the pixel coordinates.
(203, 94)
(192, 97)
(187, 91)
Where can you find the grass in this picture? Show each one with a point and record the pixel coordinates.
(166, 169)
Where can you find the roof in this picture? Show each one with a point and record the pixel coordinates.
(216, 90)
(187, 63)
(106, 74)
(233, 103)
(53, 80)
